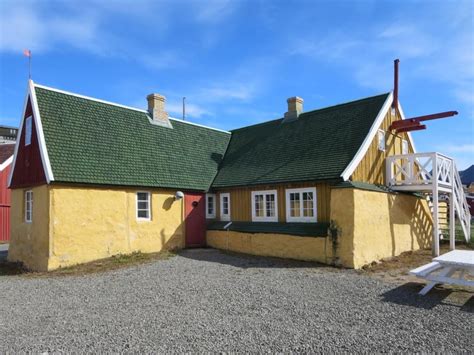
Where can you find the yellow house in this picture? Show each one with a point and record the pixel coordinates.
(92, 179)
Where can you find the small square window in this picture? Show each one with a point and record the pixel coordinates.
(301, 205)
(225, 206)
(210, 206)
(404, 146)
(143, 206)
(264, 206)
(381, 139)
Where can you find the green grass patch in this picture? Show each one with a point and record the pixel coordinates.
(113, 263)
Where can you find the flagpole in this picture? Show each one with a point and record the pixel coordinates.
(29, 66)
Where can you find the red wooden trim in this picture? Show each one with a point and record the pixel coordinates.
(395, 84)
(411, 128)
(416, 120)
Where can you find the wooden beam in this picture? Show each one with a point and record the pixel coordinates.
(411, 128)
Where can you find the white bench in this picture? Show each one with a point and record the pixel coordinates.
(447, 264)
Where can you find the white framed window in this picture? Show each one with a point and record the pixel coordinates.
(28, 130)
(264, 206)
(301, 205)
(210, 206)
(404, 146)
(28, 206)
(143, 206)
(381, 139)
(225, 206)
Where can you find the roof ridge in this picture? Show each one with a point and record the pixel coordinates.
(345, 103)
(315, 110)
(256, 124)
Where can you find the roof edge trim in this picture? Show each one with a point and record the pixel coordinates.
(39, 132)
(349, 170)
(6, 163)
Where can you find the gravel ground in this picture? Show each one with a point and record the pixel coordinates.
(206, 300)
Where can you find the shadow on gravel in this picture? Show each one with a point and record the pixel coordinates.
(407, 295)
(246, 261)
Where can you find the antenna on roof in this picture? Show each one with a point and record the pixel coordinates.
(184, 108)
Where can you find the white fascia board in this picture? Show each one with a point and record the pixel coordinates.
(349, 170)
(6, 163)
(30, 94)
(39, 132)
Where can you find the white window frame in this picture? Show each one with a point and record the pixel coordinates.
(265, 218)
(223, 216)
(29, 206)
(149, 206)
(302, 218)
(28, 130)
(405, 147)
(213, 214)
(381, 140)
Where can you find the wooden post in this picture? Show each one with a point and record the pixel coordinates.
(434, 178)
(452, 216)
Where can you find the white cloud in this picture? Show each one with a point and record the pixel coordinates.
(214, 11)
(24, 26)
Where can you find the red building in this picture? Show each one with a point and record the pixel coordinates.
(6, 158)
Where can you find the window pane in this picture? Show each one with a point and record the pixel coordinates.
(142, 205)
(210, 205)
(259, 211)
(143, 214)
(270, 205)
(28, 131)
(142, 196)
(308, 204)
(294, 204)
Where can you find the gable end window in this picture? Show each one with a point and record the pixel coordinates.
(210, 206)
(381, 140)
(143, 206)
(225, 206)
(28, 206)
(264, 206)
(301, 205)
(28, 130)
(404, 146)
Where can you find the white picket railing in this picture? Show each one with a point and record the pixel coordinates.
(431, 172)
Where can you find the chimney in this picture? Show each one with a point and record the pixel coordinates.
(395, 86)
(156, 108)
(295, 108)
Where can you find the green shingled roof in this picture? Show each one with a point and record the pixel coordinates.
(98, 143)
(319, 145)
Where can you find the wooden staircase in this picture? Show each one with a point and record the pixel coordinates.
(435, 175)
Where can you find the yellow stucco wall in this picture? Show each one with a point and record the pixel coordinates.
(370, 226)
(29, 242)
(88, 223)
(94, 223)
(383, 224)
(277, 245)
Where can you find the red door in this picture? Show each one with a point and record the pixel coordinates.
(195, 219)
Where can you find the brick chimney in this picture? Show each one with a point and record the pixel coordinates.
(295, 108)
(156, 108)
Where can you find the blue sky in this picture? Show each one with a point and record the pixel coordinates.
(238, 61)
